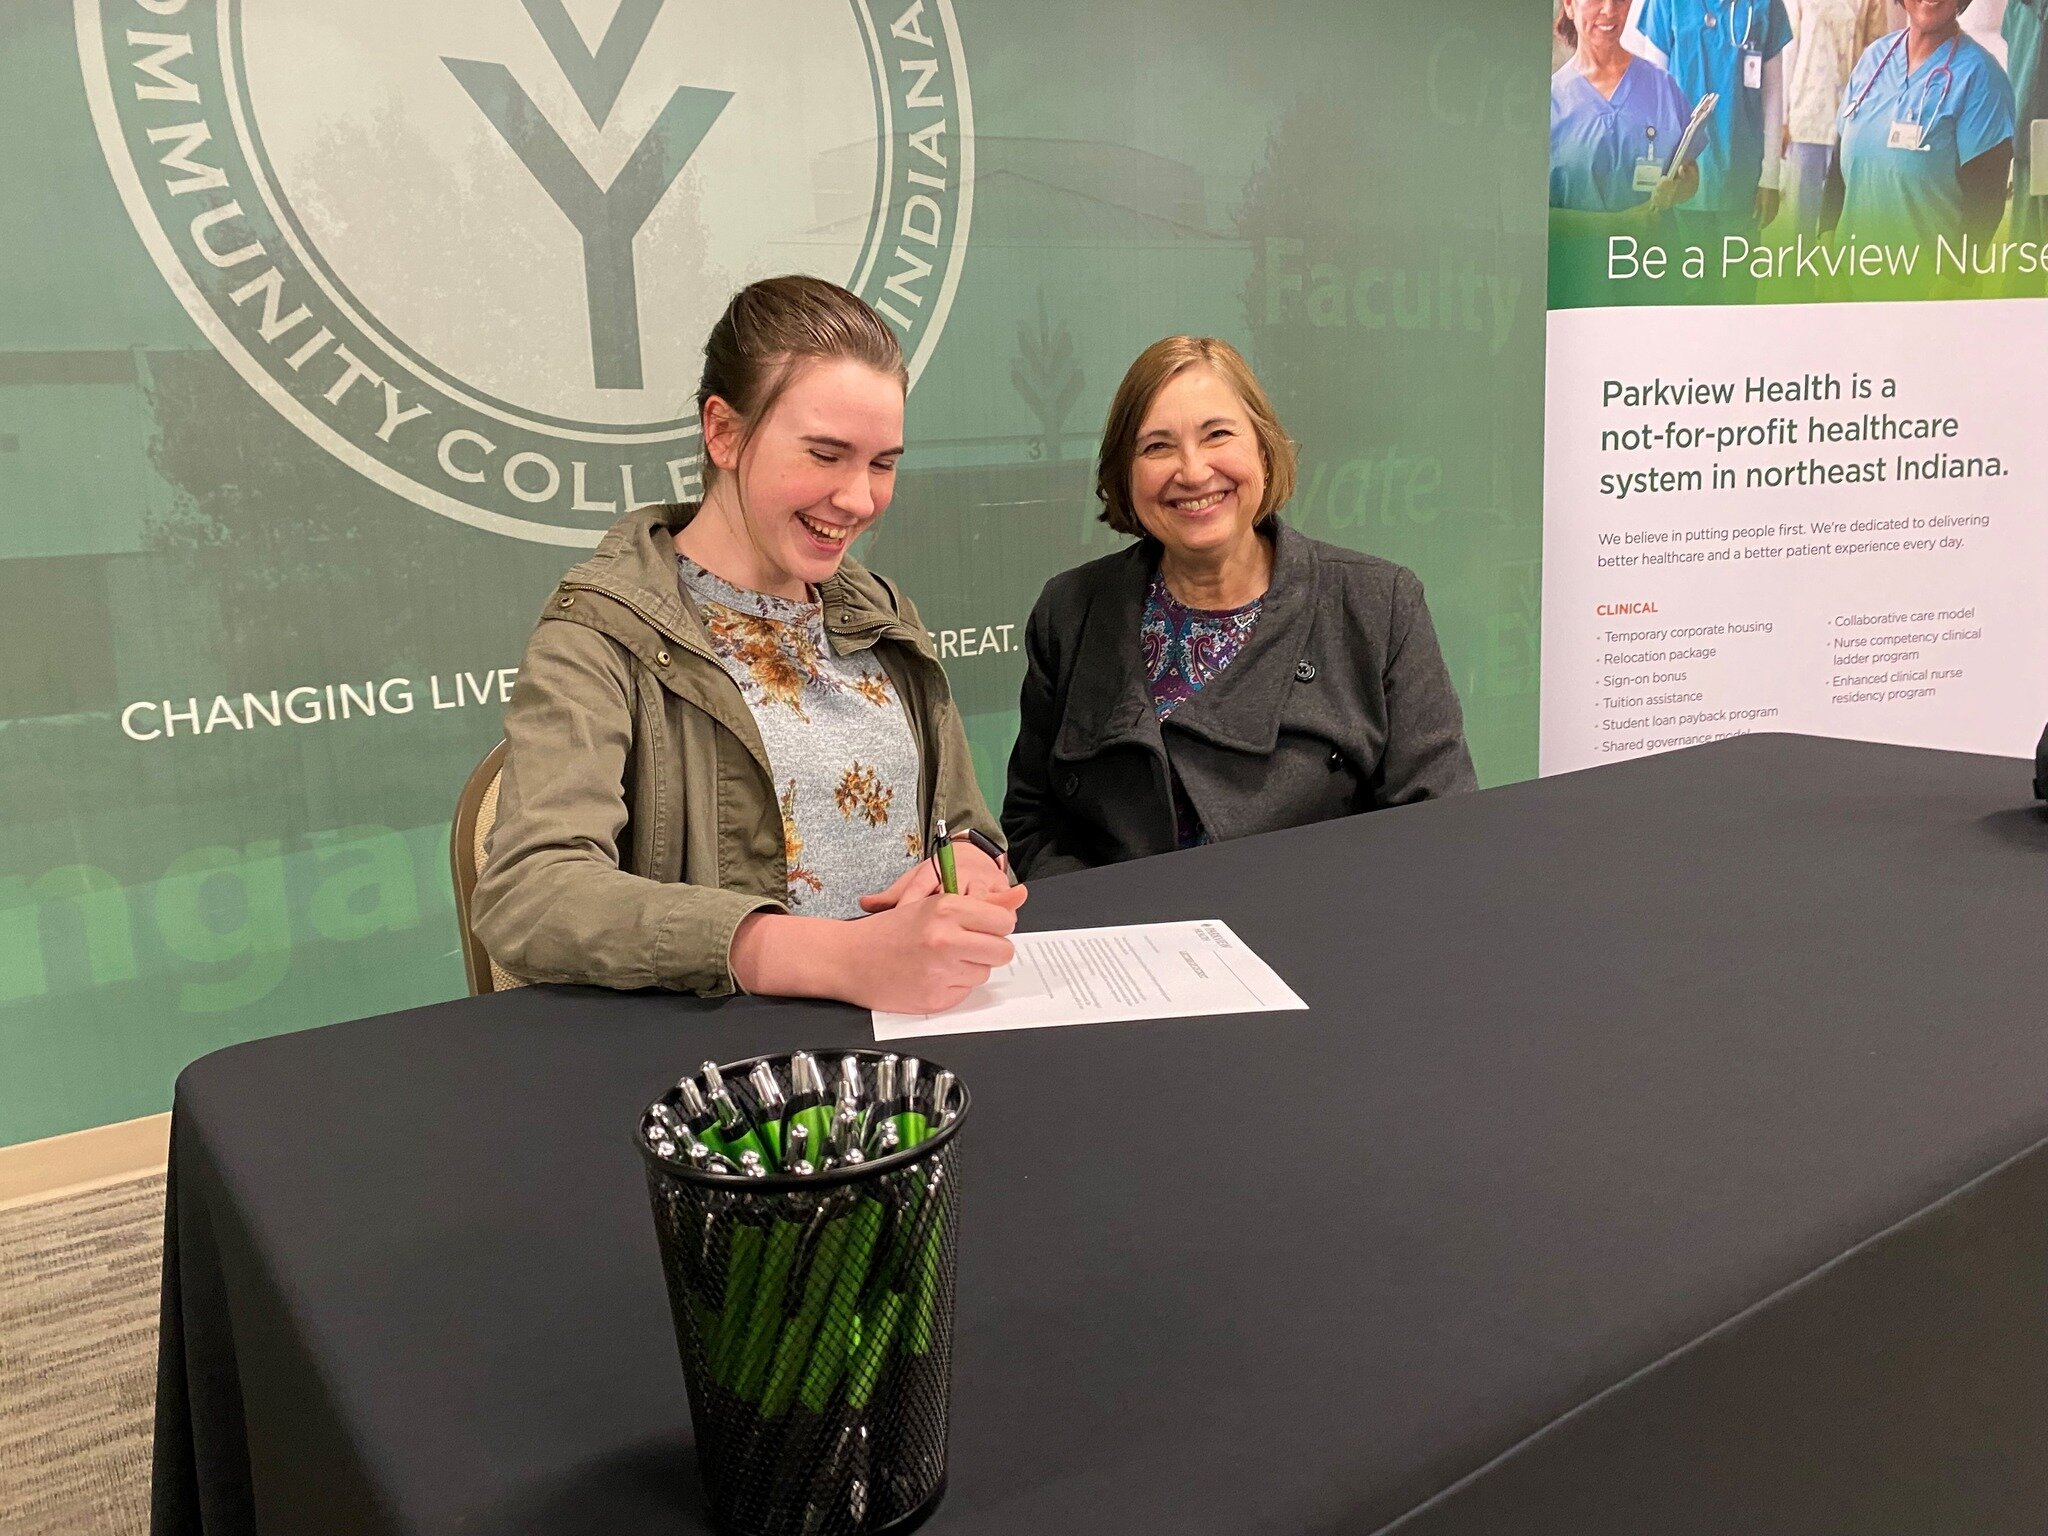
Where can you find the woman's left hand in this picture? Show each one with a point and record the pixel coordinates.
(1676, 188)
(979, 875)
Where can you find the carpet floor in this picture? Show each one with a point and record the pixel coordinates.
(78, 1320)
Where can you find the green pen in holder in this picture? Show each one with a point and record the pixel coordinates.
(813, 1309)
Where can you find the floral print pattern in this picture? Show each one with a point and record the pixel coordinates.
(801, 875)
(837, 738)
(861, 793)
(775, 669)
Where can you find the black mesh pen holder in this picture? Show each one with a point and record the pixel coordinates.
(814, 1315)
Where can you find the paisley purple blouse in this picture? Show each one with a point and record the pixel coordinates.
(1185, 650)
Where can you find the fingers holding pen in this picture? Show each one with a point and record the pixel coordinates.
(974, 929)
(926, 955)
(993, 913)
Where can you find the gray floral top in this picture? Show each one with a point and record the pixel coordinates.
(838, 740)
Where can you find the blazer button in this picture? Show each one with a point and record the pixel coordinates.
(1304, 671)
(1071, 784)
(568, 602)
(661, 658)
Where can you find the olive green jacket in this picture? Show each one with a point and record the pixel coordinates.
(637, 819)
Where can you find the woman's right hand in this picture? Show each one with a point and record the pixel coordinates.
(921, 956)
(926, 955)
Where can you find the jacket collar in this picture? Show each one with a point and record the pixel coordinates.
(1109, 702)
(635, 563)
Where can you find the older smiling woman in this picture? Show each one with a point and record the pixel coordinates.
(1226, 675)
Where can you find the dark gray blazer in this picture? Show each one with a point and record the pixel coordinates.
(1338, 703)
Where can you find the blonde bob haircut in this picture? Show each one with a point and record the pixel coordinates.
(1155, 367)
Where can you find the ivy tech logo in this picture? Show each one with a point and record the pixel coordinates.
(472, 247)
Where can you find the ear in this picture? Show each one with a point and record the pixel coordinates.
(723, 430)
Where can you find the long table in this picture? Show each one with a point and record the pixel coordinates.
(1662, 1151)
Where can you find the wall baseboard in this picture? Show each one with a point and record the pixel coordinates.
(83, 1160)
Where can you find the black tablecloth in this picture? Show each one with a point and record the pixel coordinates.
(1662, 1152)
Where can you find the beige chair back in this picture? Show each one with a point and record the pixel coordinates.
(476, 812)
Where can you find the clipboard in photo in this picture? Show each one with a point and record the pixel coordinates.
(1694, 137)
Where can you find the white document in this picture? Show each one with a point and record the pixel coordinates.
(1103, 975)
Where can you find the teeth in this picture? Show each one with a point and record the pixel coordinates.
(825, 531)
(1200, 503)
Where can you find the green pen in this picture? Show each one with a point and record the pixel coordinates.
(689, 1126)
(885, 1139)
(942, 1096)
(885, 1088)
(665, 1120)
(866, 1367)
(797, 1151)
(850, 1120)
(845, 1133)
(921, 1281)
(949, 877)
(670, 1138)
(736, 1134)
(908, 1221)
(808, 1105)
(819, 1268)
(850, 1084)
(742, 1266)
(838, 1325)
(910, 1121)
(754, 1352)
(768, 1099)
(690, 1103)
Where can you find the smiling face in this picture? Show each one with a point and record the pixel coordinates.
(1197, 477)
(819, 468)
(1599, 22)
(1931, 17)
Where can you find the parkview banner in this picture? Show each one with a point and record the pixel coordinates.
(330, 335)
(1793, 427)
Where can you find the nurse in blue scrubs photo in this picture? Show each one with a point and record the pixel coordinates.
(1615, 122)
(1732, 49)
(2026, 66)
(1926, 133)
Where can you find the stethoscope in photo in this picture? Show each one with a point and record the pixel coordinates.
(1742, 39)
(1909, 128)
(1740, 36)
